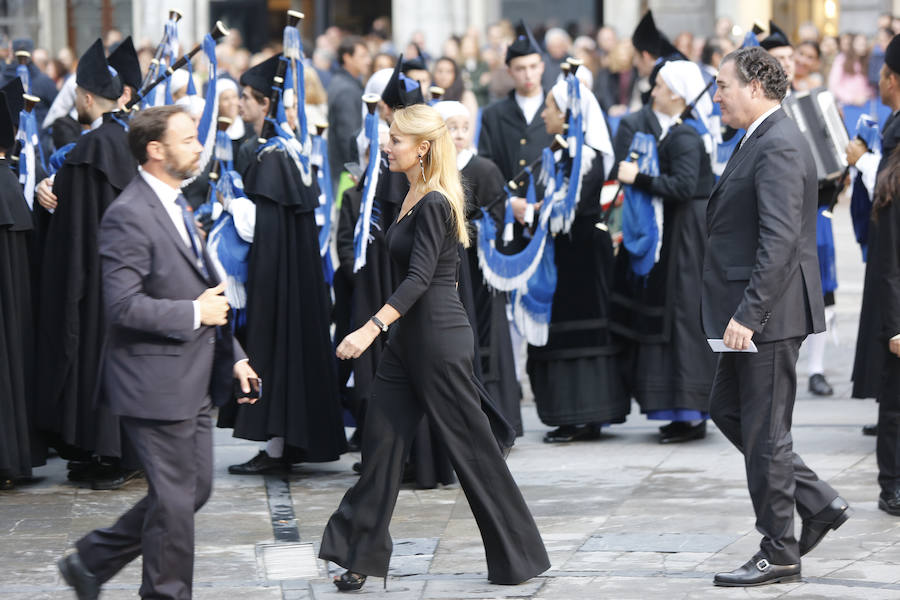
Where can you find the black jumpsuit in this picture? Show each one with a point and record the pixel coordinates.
(426, 368)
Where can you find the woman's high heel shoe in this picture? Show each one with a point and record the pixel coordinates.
(349, 581)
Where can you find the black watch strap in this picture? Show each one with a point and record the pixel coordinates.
(380, 324)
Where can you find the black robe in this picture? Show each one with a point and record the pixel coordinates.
(669, 363)
(511, 143)
(575, 376)
(869, 361)
(484, 184)
(71, 320)
(288, 309)
(16, 333)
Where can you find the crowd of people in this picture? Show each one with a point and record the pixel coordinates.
(510, 199)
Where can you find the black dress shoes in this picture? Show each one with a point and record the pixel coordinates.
(814, 528)
(682, 431)
(116, 479)
(261, 464)
(870, 429)
(572, 433)
(758, 571)
(819, 386)
(79, 578)
(889, 502)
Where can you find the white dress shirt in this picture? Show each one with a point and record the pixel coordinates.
(530, 105)
(167, 196)
(758, 122)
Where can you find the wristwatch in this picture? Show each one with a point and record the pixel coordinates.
(378, 322)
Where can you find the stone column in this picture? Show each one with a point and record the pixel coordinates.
(149, 18)
(439, 20)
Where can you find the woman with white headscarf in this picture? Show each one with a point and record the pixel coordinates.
(483, 184)
(670, 367)
(575, 376)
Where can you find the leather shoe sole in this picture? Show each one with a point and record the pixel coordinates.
(829, 519)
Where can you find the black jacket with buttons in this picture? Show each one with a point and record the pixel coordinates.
(511, 144)
(761, 265)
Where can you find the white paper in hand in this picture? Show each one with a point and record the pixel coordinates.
(718, 345)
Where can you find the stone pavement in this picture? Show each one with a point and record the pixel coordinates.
(622, 517)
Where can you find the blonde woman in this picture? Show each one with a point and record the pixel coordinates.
(426, 369)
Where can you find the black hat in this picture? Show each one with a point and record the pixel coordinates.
(7, 128)
(776, 38)
(892, 54)
(523, 45)
(95, 75)
(646, 35)
(261, 76)
(125, 60)
(413, 64)
(22, 45)
(15, 101)
(401, 91)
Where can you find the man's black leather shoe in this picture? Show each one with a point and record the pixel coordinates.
(78, 577)
(819, 386)
(260, 464)
(685, 433)
(758, 571)
(571, 433)
(117, 479)
(814, 528)
(890, 502)
(870, 429)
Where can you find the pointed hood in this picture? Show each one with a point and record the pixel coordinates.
(95, 75)
(776, 38)
(124, 59)
(401, 91)
(261, 76)
(523, 45)
(7, 128)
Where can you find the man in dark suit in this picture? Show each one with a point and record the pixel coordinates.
(345, 103)
(761, 283)
(169, 353)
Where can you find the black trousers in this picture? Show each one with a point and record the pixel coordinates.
(752, 404)
(177, 459)
(405, 389)
(887, 446)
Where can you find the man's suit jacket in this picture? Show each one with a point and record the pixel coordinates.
(156, 365)
(761, 266)
(345, 119)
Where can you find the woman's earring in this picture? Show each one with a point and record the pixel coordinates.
(422, 166)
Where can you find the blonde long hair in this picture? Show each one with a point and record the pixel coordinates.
(441, 174)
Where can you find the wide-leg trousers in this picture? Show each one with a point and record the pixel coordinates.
(752, 404)
(177, 457)
(437, 382)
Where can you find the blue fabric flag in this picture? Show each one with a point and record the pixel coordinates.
(640, 232)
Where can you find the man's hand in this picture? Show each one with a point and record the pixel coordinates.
(894, 346)
(355, 343)
(520, 205)
(244, 373)
(213, 306)
(855, 149)
(737, 337)
(627, 172)
(45, 195)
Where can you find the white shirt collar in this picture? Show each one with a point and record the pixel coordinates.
(163, 190)
(463, 158)
(97, 122)
(665, 122)
(530, 105)
(758, 122)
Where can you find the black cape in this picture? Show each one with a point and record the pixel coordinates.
(575, 377)
(71, 322)
(879, 318)
(17, 454)
(288, 316)
(669, 361)
(870, 357)
(484, 184)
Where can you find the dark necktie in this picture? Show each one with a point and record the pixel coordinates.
(187, 217)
